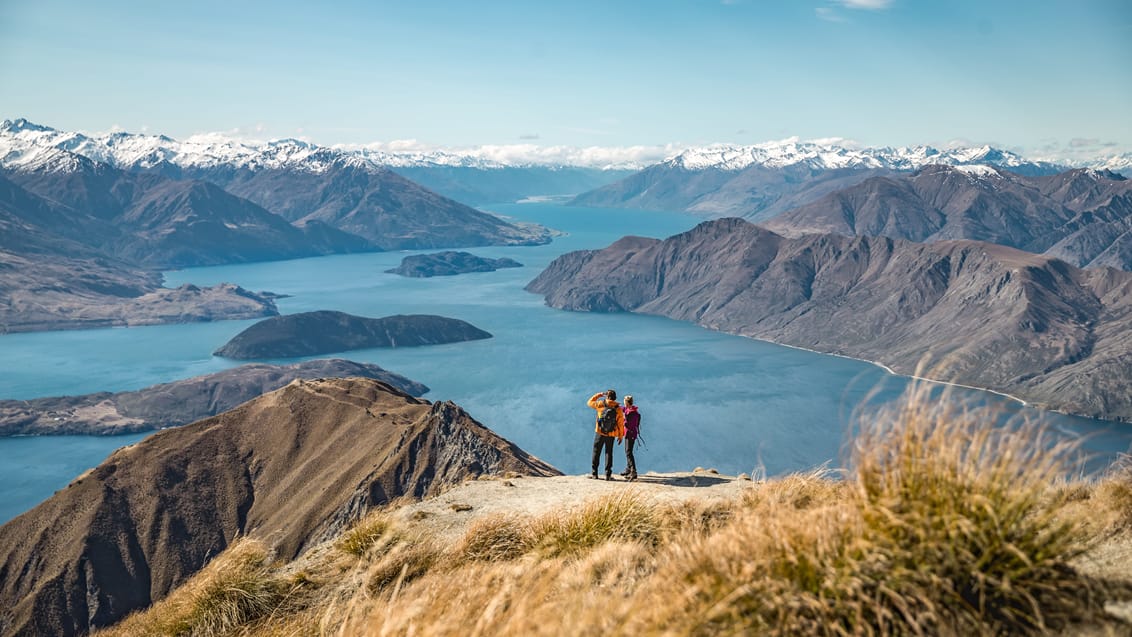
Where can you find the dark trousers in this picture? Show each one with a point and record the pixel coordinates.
(607, 442)
(630, 460)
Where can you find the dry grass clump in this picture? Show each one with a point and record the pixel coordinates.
(940, 485)
(374, 530)
(496, 538)
(1115, 492)
(623, 516)
(404, 563)
(236, 588)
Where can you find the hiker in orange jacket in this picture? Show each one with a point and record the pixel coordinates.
(613, 430)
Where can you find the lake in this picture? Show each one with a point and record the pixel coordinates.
(707, 399)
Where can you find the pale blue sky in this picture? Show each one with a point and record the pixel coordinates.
(1028, 75)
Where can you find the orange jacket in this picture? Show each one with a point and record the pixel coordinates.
(598, 402)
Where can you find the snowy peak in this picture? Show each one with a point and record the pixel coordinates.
(21, 124)
(831, 155)
(23, 144)
(211, 150)
(47, 159)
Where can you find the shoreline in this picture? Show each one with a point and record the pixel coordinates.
(893, 372)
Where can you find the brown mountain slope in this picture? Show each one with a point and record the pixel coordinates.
(49, 281)
(1083, 217)
(291, 467)
(984, 315)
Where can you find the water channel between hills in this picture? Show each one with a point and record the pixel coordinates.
(708, 399)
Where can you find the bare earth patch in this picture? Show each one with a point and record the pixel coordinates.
(447, 516)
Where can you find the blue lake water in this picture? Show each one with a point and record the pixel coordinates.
(707, 399)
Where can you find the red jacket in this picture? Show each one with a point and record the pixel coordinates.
(598, 402)
(632, 422)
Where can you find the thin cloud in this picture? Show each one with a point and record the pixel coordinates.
(529, 136)
(829, 15)
(869, 5)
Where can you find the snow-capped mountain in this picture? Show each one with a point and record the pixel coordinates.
(20, 139)
(837, 155)
(489, 174)
(21, 142)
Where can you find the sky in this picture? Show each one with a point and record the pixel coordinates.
(1046, 77)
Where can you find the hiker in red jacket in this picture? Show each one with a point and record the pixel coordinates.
(610, 426)
(632, 431)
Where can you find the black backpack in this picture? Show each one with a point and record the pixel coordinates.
(607, 420)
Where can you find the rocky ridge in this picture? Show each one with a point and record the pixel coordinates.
(292, 467)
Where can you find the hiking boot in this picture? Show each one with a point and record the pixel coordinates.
(609, 476)
(593, 476)
(625, 472)
(632, 477)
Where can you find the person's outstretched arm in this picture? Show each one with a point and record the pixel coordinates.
(594, 401)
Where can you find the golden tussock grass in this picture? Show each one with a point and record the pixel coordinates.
(941, 524)
(374, 530)
(235, 589)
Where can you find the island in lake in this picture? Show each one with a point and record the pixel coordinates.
(448, 263)
(323, 332)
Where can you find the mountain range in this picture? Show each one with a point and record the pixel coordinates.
(763, 180)
(293, 467)
(1082, 216)
(229, 163)
(82, 234)
(981, 314)
(338, 201)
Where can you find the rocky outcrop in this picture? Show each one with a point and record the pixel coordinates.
(323, 332)
(1083, 217)
(293, 468)
(984, 315)
(449, 263)
(176, 403)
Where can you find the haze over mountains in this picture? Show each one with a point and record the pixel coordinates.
(985, 315)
